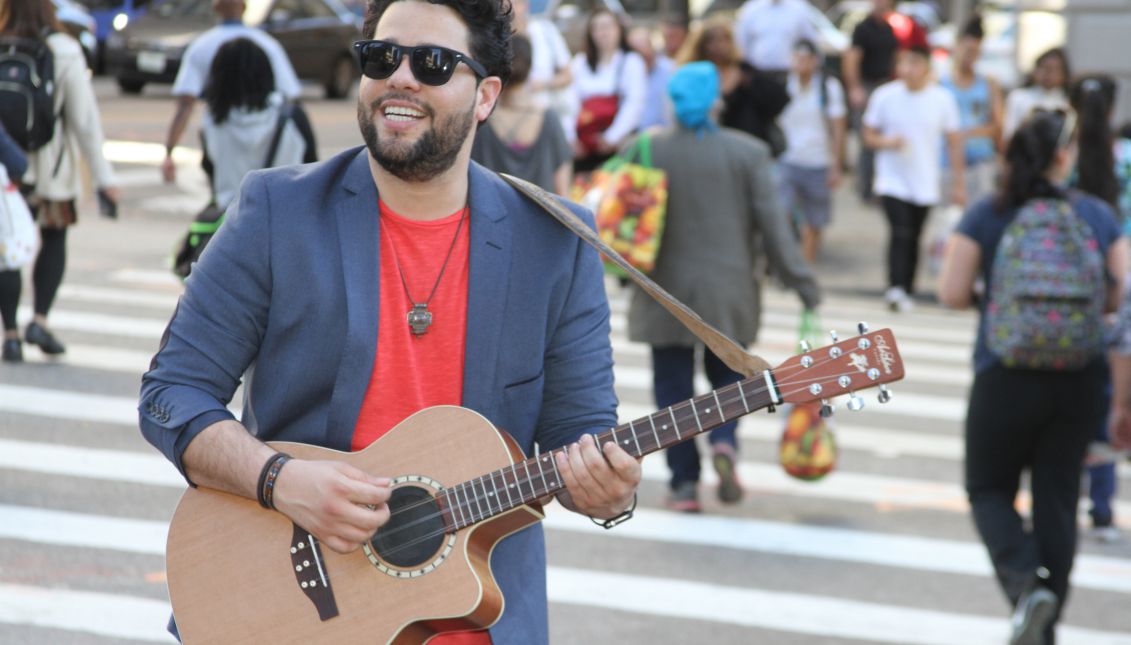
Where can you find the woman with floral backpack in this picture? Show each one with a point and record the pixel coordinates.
(1031, 397)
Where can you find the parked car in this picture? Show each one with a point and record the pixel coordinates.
(570, 16)
(317, 35)
(112, 15)
(79, 23)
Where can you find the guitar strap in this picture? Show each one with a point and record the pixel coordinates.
(728, 351)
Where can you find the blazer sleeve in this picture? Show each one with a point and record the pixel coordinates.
(215, 332)
(578, 396)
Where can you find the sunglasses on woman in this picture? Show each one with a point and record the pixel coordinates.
(430, 64)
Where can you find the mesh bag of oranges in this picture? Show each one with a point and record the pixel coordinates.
(629, 198)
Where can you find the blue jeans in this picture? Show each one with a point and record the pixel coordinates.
(1101, 478)
(673, 381)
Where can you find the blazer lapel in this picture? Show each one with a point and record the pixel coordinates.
(488, 285)
(358, 235)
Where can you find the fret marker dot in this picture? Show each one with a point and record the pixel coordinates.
(625, 442)
(708, 410)
(664, 427)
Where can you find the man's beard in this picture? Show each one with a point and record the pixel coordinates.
(431, 155)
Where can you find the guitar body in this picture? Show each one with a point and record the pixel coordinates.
(238, 573)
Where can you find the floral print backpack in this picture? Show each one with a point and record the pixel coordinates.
(1047, 290)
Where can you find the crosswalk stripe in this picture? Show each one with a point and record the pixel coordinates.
(74, 406)
(126, 297)
(109, 359)
(69, 529)
(146, 277)
(112, 615)
(885, 493)
(105, 324)
(790, 612)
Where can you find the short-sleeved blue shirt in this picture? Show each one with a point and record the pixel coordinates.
(986, 225)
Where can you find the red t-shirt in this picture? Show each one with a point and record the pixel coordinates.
(413, 372)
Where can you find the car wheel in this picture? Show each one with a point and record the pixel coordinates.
(130, 86)
(342, 78)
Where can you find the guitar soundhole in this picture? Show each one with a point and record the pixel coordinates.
(415, 531)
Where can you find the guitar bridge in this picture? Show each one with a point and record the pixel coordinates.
(310, 573)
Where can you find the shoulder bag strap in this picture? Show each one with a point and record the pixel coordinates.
(726, 349)
(280, 125)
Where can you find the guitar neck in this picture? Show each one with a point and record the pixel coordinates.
(535, 478)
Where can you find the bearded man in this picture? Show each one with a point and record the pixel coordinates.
(351, 293)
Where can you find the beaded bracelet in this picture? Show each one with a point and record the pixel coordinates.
(267, 477)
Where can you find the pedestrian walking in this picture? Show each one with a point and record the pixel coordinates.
(197, 63)
(522, 137)
(305, 288)
(610, 80)
(766, 31)
(1034, 403)
(657, 110)
(868, 64)
(54, 177)
(906, 123)
(244, 113)
(550, 80)
(814, 125)
(675, 27)
(1099, 174)
(721, 201)
(1046, 88)
(752, 100)
(980, 110)
(12, 157)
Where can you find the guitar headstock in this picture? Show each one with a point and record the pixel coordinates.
(845, 367)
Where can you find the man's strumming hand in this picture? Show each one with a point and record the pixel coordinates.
(332, 500)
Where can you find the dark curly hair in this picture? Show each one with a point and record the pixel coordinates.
(488, 25)
(240, 76)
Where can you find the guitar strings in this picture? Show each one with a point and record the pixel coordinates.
(477, 498)
(802, 386)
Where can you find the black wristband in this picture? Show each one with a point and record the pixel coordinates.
(619, 519)
(266, 488)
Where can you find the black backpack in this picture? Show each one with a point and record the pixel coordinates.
(27, 91)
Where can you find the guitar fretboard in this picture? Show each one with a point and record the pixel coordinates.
(535, 478)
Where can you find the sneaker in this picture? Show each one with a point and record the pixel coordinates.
(1106, 534)
(684, 498)
(13, 352)
(37, 334)
(1035, 611)
(730, 490)
(898, 300)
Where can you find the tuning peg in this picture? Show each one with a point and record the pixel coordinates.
(855, 403)
(805, 346)
(885, 394)
(826, 409)
(862, 327)
(832, 334)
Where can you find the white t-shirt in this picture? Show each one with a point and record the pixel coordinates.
(1022, 101)
(767, 30)
(632, 89)
(197, 61)
(806, 128)
(921, 118)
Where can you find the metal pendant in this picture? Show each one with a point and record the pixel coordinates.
(419, 319)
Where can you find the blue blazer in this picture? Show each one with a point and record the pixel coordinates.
(286, 297)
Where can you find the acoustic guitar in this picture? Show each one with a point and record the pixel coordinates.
(238, 573)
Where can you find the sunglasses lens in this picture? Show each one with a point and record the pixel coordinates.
(433, 65)
(379, 60)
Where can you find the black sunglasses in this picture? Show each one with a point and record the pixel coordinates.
(430, 64)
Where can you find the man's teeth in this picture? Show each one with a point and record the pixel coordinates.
(402, 113)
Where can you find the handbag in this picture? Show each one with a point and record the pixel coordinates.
(597, 114)
(629, 200)
(19, 236)
(205, 223)
(807, 450)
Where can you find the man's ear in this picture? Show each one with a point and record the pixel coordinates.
(488, 93)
